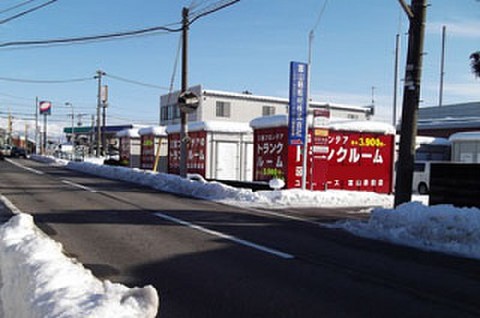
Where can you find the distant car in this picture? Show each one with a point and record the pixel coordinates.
(421, 177)
(6, 150)
(18, 152)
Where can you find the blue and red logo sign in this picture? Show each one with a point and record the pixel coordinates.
(45, 108)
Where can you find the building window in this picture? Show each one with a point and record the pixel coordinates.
(163, 113)
(223, 109)
(268, 110)
(169, 112)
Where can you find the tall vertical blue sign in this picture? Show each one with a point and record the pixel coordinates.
(297, 115)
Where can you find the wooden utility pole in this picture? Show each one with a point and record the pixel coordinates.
(442, 67)
(411, 98)
(183, 114)
(99, 106)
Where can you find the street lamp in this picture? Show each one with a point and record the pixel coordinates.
(73, 125)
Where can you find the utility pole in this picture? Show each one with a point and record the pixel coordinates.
(395, 81)
(183, 114)
(73, 125)
(188, 97)
(92, 133)
(104, 97)
(9, 128)
(44, 141)
(37, 143)
(411, 97)
(99, 106)
(442, 67)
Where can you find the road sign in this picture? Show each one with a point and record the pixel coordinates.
(188, 102)
(297, 115)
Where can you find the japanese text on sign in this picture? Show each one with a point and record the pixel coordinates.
(298, 103)
(270, 154)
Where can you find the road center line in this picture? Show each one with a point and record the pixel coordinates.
(76, 185)
(226, 236)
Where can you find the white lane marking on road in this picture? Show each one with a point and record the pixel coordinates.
(226, 236)
(9, 205)
(76, 185)
(283, 216)
(24, 167)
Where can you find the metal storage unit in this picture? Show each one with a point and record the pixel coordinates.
(466, 147)
(129, 147)
(153, 141)
(217, 150)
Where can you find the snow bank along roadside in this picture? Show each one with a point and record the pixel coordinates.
(219, 192)
(38, 280)
(440, 228)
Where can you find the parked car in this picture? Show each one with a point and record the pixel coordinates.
(6, 150)
(18, 152)
(421, 177)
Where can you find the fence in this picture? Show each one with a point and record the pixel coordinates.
(455, 183)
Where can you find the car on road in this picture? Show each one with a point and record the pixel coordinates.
(6, 150)
(18, 152)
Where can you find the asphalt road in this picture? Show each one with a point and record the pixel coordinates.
(212, 260)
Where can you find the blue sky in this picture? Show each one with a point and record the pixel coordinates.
(247, 46)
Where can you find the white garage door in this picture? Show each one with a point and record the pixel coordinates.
(227, 161)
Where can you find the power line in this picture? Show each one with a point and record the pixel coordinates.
(211, 9)
(16, 6)
(320, 15)
(27, 12)
(21, 80)
(13, 96)
(135, 82)
(92, 38)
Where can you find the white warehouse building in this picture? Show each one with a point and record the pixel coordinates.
(243, 107)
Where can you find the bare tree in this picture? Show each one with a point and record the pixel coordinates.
(475, 63)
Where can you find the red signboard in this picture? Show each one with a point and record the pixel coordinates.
(147, 152)
(360, 161)
(274, 158)
(125, 151)
(196, 153)
(270, 153)
(337, 160)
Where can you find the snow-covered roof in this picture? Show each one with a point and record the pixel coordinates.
(129, 133)
(269, 122)
(424, 140)
(156, 131)
(466, 136)
(450, 123)
(214, 126)
(363, 126)
(334, 124)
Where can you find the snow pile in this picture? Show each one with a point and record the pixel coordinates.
(327, 199)
(215, 191)
(38, 280)
(441, 228)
